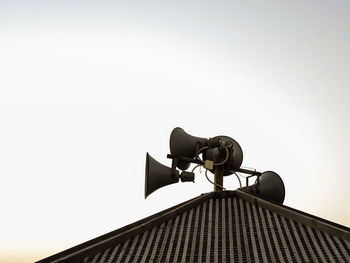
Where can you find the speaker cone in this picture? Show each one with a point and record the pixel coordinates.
(183, 144)
(270, 186)
(158, 175)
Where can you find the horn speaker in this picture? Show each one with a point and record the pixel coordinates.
(270, 186)
(183, 144)
(158, 175)
(234, 159)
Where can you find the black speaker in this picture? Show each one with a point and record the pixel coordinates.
(270, 186)
(158, 175)
(184, 145)
(235, 158)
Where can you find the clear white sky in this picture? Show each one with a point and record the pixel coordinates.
(88, 87)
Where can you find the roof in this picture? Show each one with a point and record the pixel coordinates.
(227, 226)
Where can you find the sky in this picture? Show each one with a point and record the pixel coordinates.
(88, 87)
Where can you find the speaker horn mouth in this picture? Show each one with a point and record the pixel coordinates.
(270, 186)
(158, 175)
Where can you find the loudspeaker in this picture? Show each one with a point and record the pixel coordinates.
(270, 186)
(235, 157)
(184, 145)
(158, 175)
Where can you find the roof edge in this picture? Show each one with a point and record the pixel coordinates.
(126, 232)
(324, 225)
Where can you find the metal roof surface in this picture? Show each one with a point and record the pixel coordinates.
(228, 226)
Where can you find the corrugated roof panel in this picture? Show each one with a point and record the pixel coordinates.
(228, 230)
(219, 227)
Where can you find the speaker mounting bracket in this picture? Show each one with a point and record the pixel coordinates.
(180, 158)
(173, 167)
(248, 177)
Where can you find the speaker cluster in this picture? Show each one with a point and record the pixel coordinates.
(220, 155)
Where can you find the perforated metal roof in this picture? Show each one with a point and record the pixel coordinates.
(229, 226)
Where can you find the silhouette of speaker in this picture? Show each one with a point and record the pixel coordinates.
(184, 145)
(270, 186)
(158, 175)
(235, 158)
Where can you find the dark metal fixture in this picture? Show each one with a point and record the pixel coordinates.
(221, 155)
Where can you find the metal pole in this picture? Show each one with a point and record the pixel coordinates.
(218, 177)
(218, 172)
